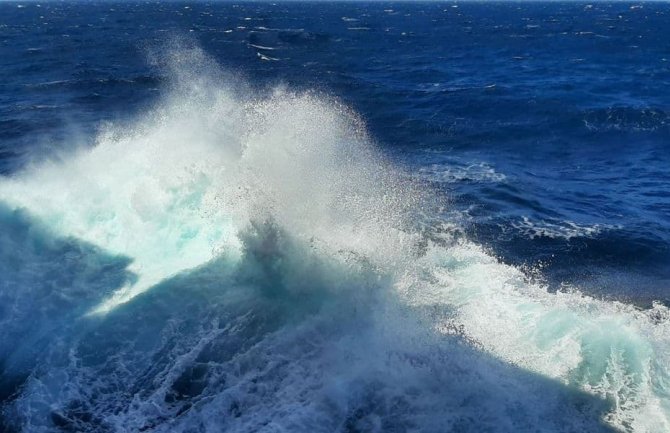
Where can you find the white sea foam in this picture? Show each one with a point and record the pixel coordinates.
(458, 171)
(266, 58)
(560, 230)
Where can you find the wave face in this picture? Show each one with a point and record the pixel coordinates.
(239, 262)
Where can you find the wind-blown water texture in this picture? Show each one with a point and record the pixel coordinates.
(229, 262)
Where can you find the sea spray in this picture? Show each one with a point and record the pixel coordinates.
(172, 189)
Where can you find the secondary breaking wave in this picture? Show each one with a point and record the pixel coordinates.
(243, 262)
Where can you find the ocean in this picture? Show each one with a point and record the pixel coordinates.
(334, 216)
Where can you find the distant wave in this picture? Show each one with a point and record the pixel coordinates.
(260, 47)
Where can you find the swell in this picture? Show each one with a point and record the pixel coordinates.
(243, 262)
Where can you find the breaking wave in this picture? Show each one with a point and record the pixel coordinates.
(239, 262)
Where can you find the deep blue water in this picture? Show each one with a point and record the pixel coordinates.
(539, 131)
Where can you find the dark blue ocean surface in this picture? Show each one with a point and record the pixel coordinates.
(439, 217)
